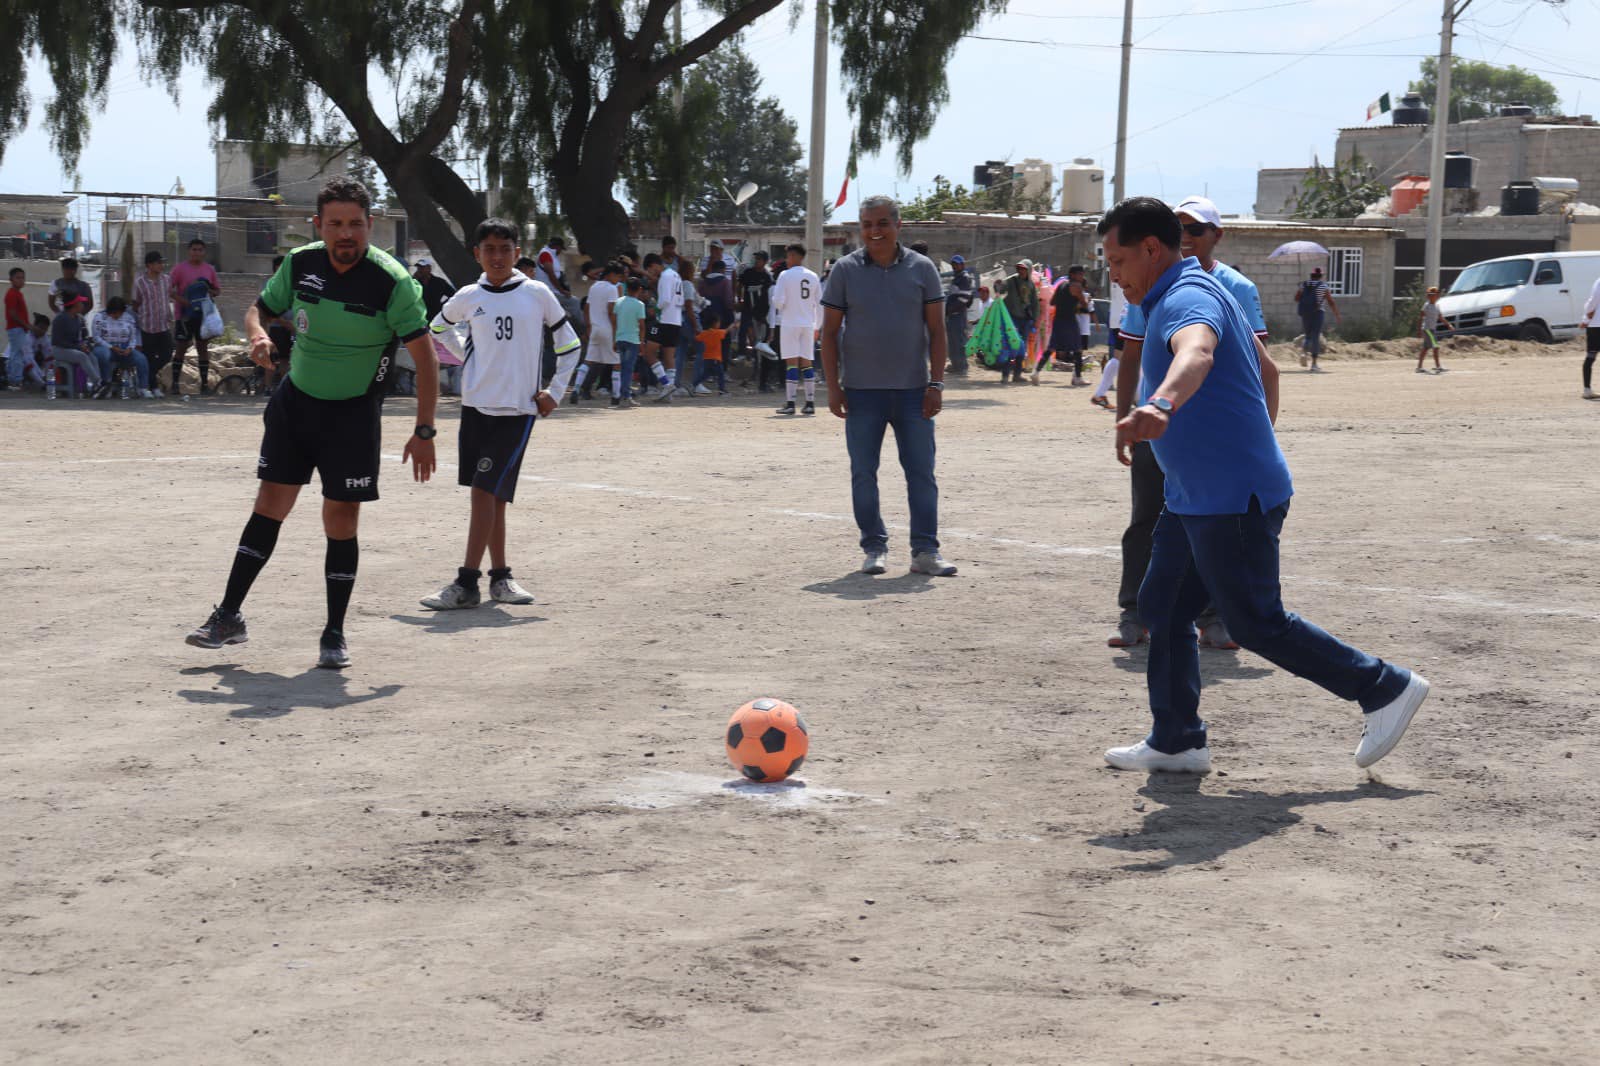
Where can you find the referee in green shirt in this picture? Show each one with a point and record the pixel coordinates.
(351, 306)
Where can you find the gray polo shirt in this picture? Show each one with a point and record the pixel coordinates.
(885, 340)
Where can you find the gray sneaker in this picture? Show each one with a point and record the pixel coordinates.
(1215, 635)
(875, 563)
(452, 597)
(1128, 635)
(506, 590)
(332, 652)
(932, 563)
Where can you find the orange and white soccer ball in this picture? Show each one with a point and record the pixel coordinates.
(767, 740)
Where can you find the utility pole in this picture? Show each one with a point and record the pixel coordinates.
(1441, 123)
(819, 131)
(678, 230)
(1118, 180)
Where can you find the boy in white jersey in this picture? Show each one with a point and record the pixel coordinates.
(601, 356)
(797, 298)
(506, 314)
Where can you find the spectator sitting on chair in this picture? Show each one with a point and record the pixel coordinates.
(116, 331)
(69, 344)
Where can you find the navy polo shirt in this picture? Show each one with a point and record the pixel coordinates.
(1219, 449)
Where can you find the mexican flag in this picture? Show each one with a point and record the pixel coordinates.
(1380, 106)
(849, 173)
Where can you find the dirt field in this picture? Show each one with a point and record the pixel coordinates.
(510, 836)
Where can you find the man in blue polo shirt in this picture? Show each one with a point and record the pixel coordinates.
(1202, 229)
(887, 370)
(1227, 495)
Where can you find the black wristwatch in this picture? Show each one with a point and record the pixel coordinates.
(425, 432)
(936, 385)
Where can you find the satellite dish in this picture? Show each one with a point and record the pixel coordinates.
(747, 190)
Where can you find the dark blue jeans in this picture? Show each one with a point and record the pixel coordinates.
(1312, 324)
(1232, 561)
(871, 411)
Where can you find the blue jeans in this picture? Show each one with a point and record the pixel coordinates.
(871, 411)
(628, 352)
(716, 368)
(134, 361)
(1313, 327)
(102, 356)
(18, 344)
(1024, 327)
(1232, 561)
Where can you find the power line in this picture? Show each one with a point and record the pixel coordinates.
(1325, 52)
(1175, 15)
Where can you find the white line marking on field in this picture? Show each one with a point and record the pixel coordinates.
(672, 788)
(1457, 599)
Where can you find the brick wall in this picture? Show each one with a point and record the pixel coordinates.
(1507, 149)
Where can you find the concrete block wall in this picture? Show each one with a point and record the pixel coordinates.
(1277, 279)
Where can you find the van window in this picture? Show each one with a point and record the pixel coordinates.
(1549, 273)
(1501, 274)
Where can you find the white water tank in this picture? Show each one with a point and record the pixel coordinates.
(1083, 188)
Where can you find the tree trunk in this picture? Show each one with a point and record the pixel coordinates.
(451, 253)
(598, 221)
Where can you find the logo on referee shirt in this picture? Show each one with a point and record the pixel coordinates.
(302, 321)
(313, 281)
(485, 464)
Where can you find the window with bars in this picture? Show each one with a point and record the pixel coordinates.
(1344, 271)
(261, 236)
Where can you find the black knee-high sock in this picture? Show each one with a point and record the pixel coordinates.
(342, 558)
(255, 548)
(1588, 369)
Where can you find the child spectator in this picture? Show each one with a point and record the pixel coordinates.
(630, 311)
(710, 340)
(1428, 324)
(69, 344)
(117, 331)
(38, 365)
(152, 306)
(17, 344)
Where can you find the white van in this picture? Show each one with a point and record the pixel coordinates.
(1537, 297)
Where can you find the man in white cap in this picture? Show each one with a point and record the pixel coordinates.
(958, 298)
(1202, 230)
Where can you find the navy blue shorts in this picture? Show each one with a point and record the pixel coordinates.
(492, 447)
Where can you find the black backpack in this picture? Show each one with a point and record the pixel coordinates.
(1308, 300)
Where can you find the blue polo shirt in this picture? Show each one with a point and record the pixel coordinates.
(1241, 288)
(1219, 450)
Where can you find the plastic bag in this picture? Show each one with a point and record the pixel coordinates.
(211, 323)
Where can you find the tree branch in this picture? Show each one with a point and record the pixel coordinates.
(457, 61)
(651, 27)
(697, 49)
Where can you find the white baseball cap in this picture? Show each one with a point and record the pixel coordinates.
(1201, 210)
(424, 262)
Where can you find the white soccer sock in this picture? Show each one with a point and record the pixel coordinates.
(1108, 376)
(789, 389)
(583, 374)
(660, 372)
(810, 379)
(616, 383)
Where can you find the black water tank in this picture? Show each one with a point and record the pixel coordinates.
(1459, 168)
(1411, 112)
(981, 177)
(1519, 198)
(1514, 108)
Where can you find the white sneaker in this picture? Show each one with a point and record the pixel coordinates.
(147, 394)
(1590, 394)
(451, 598)
(662, 395)
(160, 395)
(1078, 381)
(701, 390)
(931, 563)
(1142, 756)
(506, 590)
(875, 563)
(680, 391)
(1385, 726)
(766, 349)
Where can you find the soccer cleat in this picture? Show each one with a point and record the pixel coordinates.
(1215, 635)
(452, 597)
(223, 627)
(932, 563)
(787, 408)
(809, 409)
(332, 652)
(506, 590)
(1383, 728)
(1142, 756)
(1128, 635)
(618, 403)
(876, 562)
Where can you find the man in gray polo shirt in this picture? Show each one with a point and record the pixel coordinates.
(888, 371)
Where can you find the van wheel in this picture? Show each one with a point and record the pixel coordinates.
(1535, 331)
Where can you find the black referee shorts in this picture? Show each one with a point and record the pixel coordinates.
(337, 438)
(663, 334)
(492, 447)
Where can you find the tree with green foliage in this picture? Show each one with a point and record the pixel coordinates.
(1006, 196)
(1477, 90)
(541, 92)
(1341, 191)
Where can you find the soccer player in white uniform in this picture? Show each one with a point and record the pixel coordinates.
(601, 307)
(797, 298)
(505, 313)
(661, 336)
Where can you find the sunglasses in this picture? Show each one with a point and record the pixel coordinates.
(1197, 229)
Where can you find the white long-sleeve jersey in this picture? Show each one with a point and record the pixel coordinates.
(1593, 305)
(798, 298)
(503, 351)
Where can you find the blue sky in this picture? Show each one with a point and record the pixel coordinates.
(1200, 120)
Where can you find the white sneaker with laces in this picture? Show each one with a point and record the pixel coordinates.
(506, 590)
(1384, 727)
(680, 391)
(875, 563)
(1590, 394)
(662, 395)
(147, 394)
(932, 563)
(766, 349)
(452, 598)
(701, 390)
(1142, 756)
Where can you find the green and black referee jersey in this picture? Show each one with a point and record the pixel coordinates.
(502, 355)
(325, 417)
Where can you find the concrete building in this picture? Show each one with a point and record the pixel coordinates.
(266, 198)
(1277, 188)
(33, 227)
